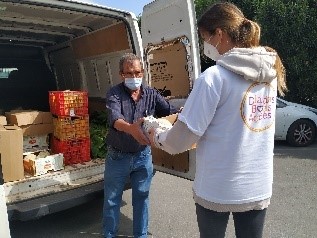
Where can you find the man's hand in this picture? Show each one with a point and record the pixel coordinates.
(151, 135)
(136, 131)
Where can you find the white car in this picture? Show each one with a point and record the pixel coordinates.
(295, 123)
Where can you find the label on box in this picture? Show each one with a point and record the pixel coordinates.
(72, 112)
(32, 142)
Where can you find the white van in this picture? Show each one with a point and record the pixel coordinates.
(68, 45)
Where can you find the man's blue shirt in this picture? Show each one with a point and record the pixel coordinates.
(120, 105)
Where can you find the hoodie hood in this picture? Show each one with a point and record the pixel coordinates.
(254, 64)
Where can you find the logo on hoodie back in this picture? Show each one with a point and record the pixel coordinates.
(258, 107)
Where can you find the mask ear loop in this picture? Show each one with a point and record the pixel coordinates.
(218, 42)
(209, 39)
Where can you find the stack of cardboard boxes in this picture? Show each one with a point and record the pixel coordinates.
(24, 133)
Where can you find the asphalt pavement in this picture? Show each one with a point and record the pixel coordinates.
(292, 213)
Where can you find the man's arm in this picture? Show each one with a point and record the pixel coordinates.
(163, 107)
(132, 129)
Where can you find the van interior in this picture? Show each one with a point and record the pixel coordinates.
(57, 47)
(62, 45)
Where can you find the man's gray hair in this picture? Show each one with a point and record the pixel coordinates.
(128, 57)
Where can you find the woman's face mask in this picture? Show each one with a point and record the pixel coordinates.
(211, 51)
(133, 83)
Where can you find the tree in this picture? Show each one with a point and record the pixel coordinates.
(290, 28)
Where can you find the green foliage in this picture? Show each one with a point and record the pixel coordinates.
(201, 6)
(139, 21)
(290, 28)
(98, 132)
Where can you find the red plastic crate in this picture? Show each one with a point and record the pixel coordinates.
(68, 103)
(74, 151)
(70, 128)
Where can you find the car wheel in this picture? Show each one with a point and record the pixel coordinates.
(301, 133)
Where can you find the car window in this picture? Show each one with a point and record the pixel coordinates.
(280, 104)
(5, 73)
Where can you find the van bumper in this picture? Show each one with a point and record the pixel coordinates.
(38, 207)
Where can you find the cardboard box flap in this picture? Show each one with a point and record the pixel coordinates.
(22, 118)
(171, 118)
(39, 129)
(9, 127)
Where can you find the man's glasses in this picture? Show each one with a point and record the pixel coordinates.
(136, 74)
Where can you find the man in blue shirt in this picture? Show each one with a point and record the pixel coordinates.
(129, 151)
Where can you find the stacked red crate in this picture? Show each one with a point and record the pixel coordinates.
(68, 103)
(71, 125)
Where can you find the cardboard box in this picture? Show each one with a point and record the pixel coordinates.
(22, 118)
(178, 162)
(172, 119)
(39, 142)
(3, 120)
(42, 165)
(168, 74)
(39, 129)
(11, 149)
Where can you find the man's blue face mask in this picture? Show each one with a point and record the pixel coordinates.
(133, 83)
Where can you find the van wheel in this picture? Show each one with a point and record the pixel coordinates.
(301, 133)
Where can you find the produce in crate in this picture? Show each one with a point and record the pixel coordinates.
(98, 130)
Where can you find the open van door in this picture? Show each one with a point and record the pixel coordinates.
(171, 57)
(4, 220)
